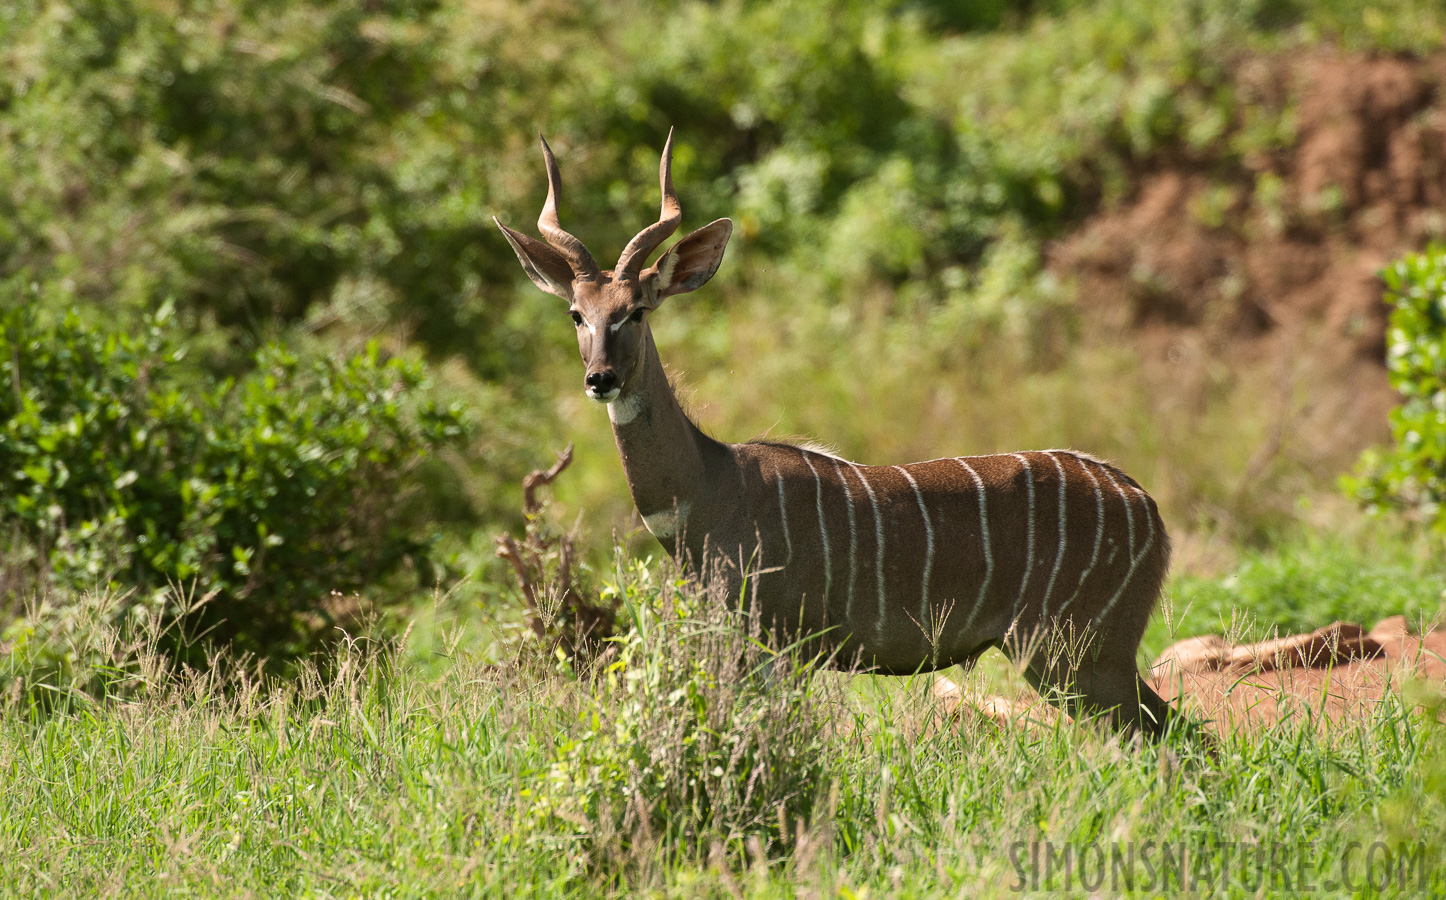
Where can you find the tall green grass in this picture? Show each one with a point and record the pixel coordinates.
(386, 777)
(1305, 584)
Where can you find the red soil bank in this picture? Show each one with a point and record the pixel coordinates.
(1337, 672)
(1263, 263)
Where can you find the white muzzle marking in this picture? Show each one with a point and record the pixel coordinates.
(609, 397)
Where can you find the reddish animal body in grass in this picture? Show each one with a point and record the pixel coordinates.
(1054, 556)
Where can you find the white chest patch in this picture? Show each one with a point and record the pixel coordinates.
(625, 409)
(665, 524)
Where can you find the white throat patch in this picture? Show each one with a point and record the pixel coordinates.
(625, 409)
(664, 524)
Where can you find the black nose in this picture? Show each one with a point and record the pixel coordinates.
(601, 382)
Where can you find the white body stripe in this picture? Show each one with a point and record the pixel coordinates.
(1134, 561)
(924, 618)
(986, 612)
(1099, 534)
(1058, 553)
(853, 545)
(879, 556)
(988, 553)
(1029, 551)
(822, 531)
(1129, 516)
(783, 514)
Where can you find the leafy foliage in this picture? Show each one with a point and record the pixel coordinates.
(694, 735)
(338, 162)
(328, 169)
(271, 493)
(246, 159)
(562, 610)
(1411, 476)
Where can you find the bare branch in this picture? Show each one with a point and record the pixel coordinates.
(539, 478)
(507, 549)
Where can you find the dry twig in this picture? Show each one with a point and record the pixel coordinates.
(559, 612)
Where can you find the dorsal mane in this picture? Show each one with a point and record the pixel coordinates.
(821, 449)
(1104, 463)
(683, 395)
(808, 446)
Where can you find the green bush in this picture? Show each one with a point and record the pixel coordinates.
(694, 736)
(274, 494)
(260, 163)
(331, 167)
(1411, 476)
(268, 163)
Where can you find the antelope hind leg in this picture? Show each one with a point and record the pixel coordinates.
(1120, 694)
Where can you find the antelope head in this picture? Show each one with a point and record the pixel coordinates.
(610, 308)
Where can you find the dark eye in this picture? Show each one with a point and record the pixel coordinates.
(576, 317)
(637, 315)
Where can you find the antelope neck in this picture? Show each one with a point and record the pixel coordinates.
(668, 461)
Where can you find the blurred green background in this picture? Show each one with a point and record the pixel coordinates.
(1147, 231)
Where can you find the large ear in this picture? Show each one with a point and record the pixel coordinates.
(544, 265)
(689, 263)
